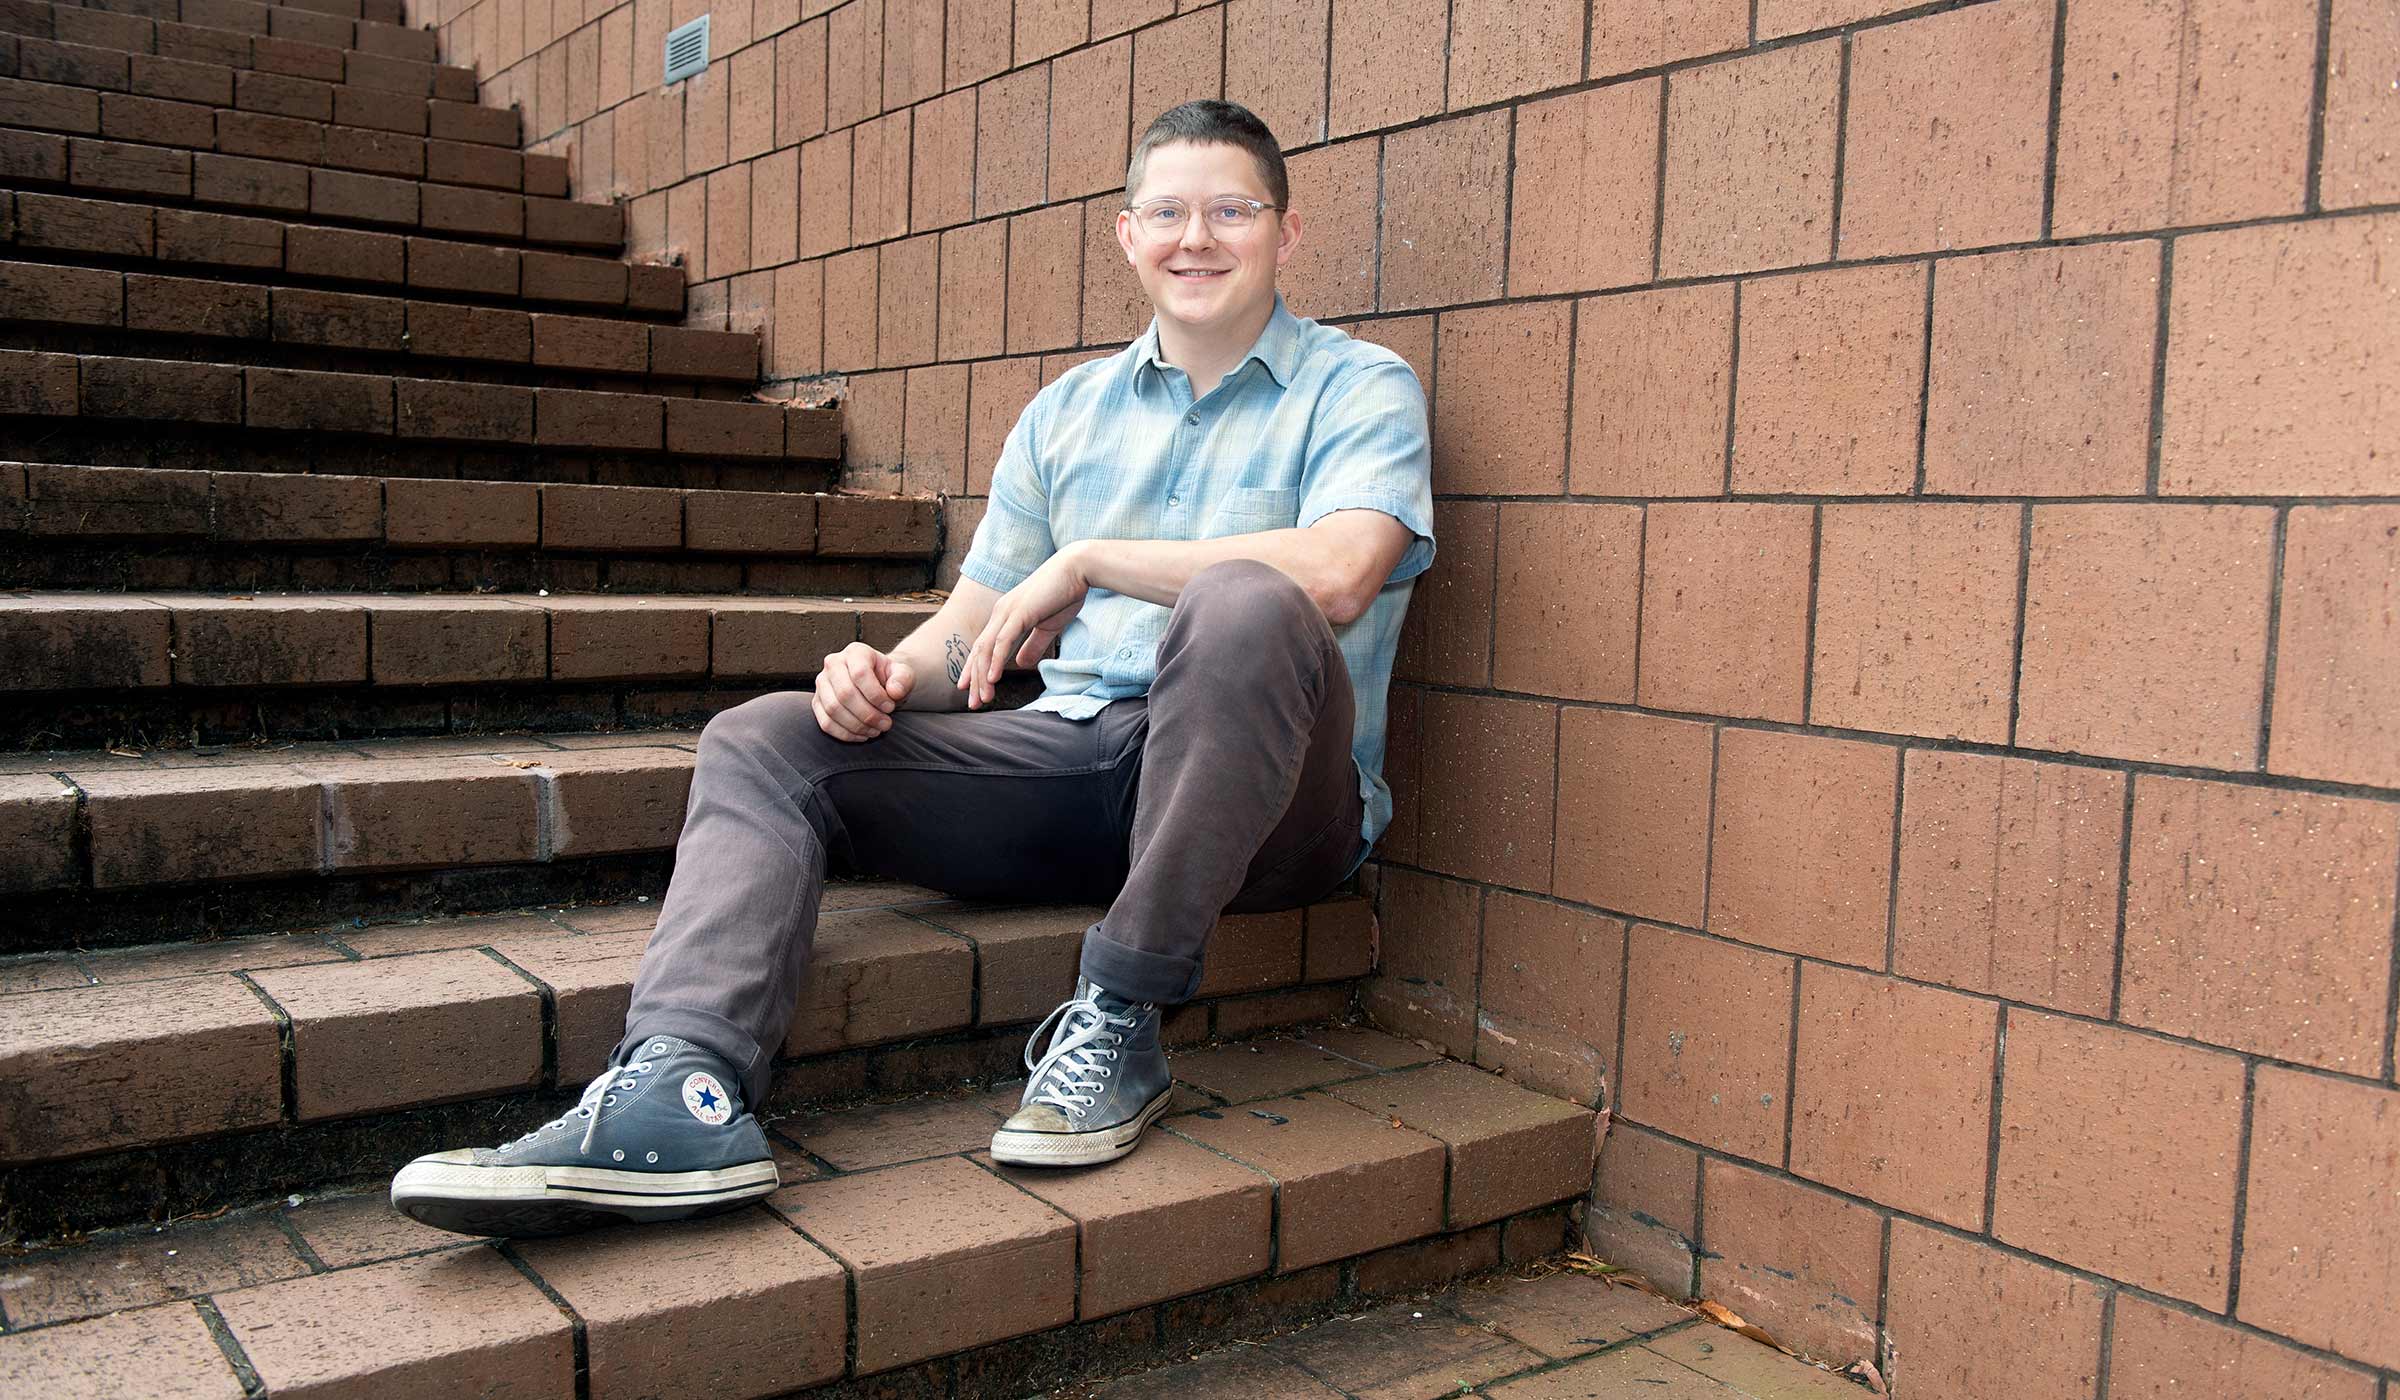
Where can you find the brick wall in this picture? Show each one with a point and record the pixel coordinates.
(1905, 711)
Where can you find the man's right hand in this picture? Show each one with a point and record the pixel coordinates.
(858, 688)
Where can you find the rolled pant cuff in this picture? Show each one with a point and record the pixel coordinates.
(712, 1033)
(1137, 974)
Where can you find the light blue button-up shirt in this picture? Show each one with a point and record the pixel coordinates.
(1311, 422)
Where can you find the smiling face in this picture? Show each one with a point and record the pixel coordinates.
(1204, 282)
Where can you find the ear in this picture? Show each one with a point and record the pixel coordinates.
(1125, 238)
(1287, 237)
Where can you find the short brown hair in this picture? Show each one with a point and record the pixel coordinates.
(1210, 122)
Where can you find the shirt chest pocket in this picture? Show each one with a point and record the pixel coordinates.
(1247, 510)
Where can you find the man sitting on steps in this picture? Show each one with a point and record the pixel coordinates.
(1219, 526)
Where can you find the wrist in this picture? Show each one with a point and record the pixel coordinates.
(1079, 560)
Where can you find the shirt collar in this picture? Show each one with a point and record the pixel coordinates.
(1277, 347)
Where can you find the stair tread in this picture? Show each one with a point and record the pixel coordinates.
(919, 1251)
(370, 1011)
(269, 38)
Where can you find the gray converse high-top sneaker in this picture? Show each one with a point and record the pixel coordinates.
(659, 1136)
(1103, 1080)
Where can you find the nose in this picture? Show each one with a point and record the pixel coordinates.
(1205, 237)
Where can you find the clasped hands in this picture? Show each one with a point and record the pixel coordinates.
(858, 688)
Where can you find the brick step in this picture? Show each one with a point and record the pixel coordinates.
(894, 1249)
(240, 14)
(193, 106)
(324, 1038)
(221, 667)
(141, 528)
(239, 38)
(406, 410)
(143, 314)
(40, 148)
(68, 229)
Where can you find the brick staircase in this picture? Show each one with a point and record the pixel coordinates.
(373, 544)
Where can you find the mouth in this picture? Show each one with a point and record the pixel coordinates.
(1198, 274)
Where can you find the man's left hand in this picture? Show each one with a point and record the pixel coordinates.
(1027, 619)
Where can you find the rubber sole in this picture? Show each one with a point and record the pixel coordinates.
(528, 1202)
(1078, 1149)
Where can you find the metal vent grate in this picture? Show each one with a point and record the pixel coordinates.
(687, 50)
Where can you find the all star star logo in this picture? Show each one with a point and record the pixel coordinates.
(706, 1098)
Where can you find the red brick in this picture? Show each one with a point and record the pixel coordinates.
(1174, 1219)
(2321, 1151)
(1490, 772)
(1176, 62)
(881, 977)
(156, 1351)
(583, 418)
(49, 106)
(796, 346)
(1569, 577)
(997, 392)
(1633, 824)
(596, 638)
(424, 1323)
(590, 343)
(2272, 329)
(269, 137)
(377, 199)
(108, 1067)
(1387, 63)
(30, 156)
(825, 195)
(2119, 1154)
(440, 330)
(1275, 65)
(575, 224)
(116, 501)
(442, 410)
(1708, 1031)
(725, 1283)
(2261, 920)
(461, 163)
(720, 427)
(2185, 114)
(640, 519)
(800, 84)
(173, 390)
(457, 641)
(1916, 617)
(1750, 157)
(461, 121)
(812, 434)
(2008, 878)
(182, 80)
(317, 401)
(2145, 632)
(976, 40)
(1828, 395)
(386, 153)
(383, 111)
(296, 57)
(37, 819)
(150, 1266)
(1426, 986)
(125, 117)
(1445, 200)
(297, 509)
(912, 51)
(121, 169)
(1967, 1319)
(340, 319)
(2159, 1353)
(1653, 372)
(854, 64)
(973, 285)
(1724, 612)
(2042, 371)
(458, 209)
(935, 433)
(356, 255)
(1346, 1181)
(1045, 27)
(1802, 854)
(1510, 1149)
(596, 282)
(1645, 1211)
(451, 514)
(1045, 278)
(1012, 122)
(399, 1032)
(152, 827)
(67, 296)
(616, 801)
(33, 382)
(1091, 90)
(83, 225)
(1587, 221)
(907, 285)
(268, 641)
(850, 307)
(2361, 165)
(1331, 274)
(1500, 403)
(1893, 1093)
(39, 60)
(1947, 131)
(398, 815)
(2338, 636)
(943, 137)
(726, 193)
(1500, 50)
(1802, 1264)
(1633, 34)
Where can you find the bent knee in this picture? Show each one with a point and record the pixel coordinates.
(777, 723)
(1245, 595)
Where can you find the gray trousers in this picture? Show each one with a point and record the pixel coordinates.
(1229, 787)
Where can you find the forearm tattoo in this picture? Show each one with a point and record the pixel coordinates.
(956, 650)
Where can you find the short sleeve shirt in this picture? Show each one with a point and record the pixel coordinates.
(1310, 422)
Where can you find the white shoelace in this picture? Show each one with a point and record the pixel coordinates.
(1072, 1075)
(596, 1096)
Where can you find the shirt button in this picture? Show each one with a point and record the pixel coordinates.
(1174, 500)
(1192, 419)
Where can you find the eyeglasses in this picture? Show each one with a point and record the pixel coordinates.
(1229, 216)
